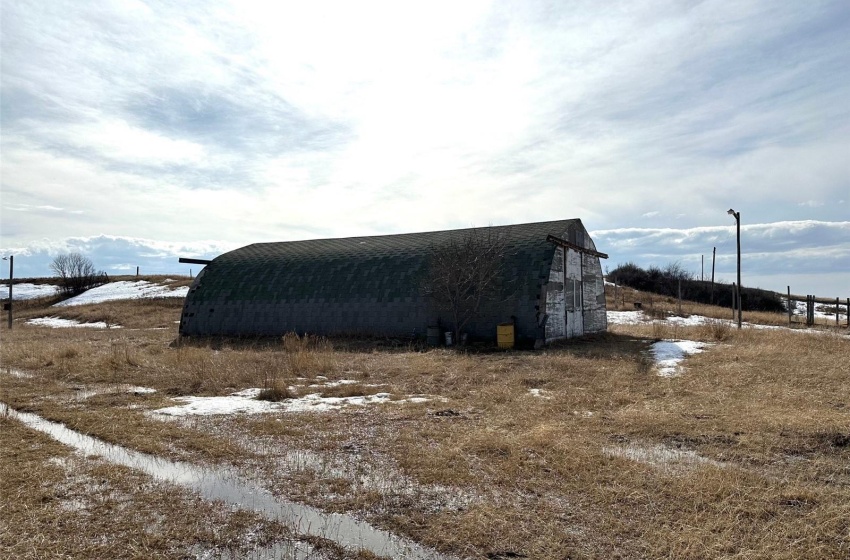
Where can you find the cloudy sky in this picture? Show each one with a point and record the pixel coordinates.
(140, 131)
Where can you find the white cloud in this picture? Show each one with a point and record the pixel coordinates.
(119, 141)
(771, 253)
(248, 121)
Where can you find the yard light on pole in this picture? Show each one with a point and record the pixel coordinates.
(737, 216)
(11, 259)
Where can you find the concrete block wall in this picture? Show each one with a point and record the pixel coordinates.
(577, 306)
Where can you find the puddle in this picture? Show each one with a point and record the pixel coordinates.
(669, 354)
(219, 484)
(363, 476)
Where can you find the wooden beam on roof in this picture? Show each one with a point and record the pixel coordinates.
(194, 261)
(562, 243)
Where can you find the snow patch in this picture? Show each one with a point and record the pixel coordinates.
(246, 402)
(799, 308)
(29, 291)
(669, 354)
(639, 318)
(625, 317)
(57, 323)
(334, 383)
(17, 373)
(660, 456)
(124, 290)
(693, 320)
(83, 392)
(539, 393)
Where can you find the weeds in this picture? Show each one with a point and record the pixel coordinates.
(350, 390)
(717, 330)
(277, 392)
(308, 354)
(491, 470)
(644, 364)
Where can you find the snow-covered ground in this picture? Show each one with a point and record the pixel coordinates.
(246, 402)
(124, 290)
(800, 309)
(638, 318)
(669, 355)
(84, 392)
(28, 291)
(57, 323)
(660, 456)
(626, 318)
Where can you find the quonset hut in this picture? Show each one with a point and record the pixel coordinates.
(374, 286)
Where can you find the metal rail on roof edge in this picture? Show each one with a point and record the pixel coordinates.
(563, 243)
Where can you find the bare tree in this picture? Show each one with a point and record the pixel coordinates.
(466, 273)
(76, 273)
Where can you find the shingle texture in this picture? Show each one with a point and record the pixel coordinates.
(365, 285)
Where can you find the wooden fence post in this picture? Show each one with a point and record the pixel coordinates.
(807, 309)
(711, 297)
(734, 298)
(810, 309)
(789, 305)
(680, 296)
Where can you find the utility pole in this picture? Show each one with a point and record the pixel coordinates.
(11, 259)
(737, 216)
(713, 253)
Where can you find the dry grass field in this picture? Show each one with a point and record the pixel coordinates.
(579, 450)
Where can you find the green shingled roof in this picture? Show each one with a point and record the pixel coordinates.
(380, 268)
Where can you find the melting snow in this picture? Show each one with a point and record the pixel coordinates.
(669, 354)
(246, 402)
(692, 320)
(638, 318)
(659, 456)
(124, 290)
(540, 393)
(333, 383)
(57, 323)
(625, 317)
(29, 291)
(17, 373)
(800, 309)
(86, 392)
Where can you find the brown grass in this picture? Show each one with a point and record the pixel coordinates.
(745, 455)
(57, 504)
(276, 392)
(351, 390)
(659, 307)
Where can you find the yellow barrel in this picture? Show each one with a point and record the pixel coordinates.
(505, 335)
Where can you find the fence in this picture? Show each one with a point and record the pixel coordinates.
(811, 300)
